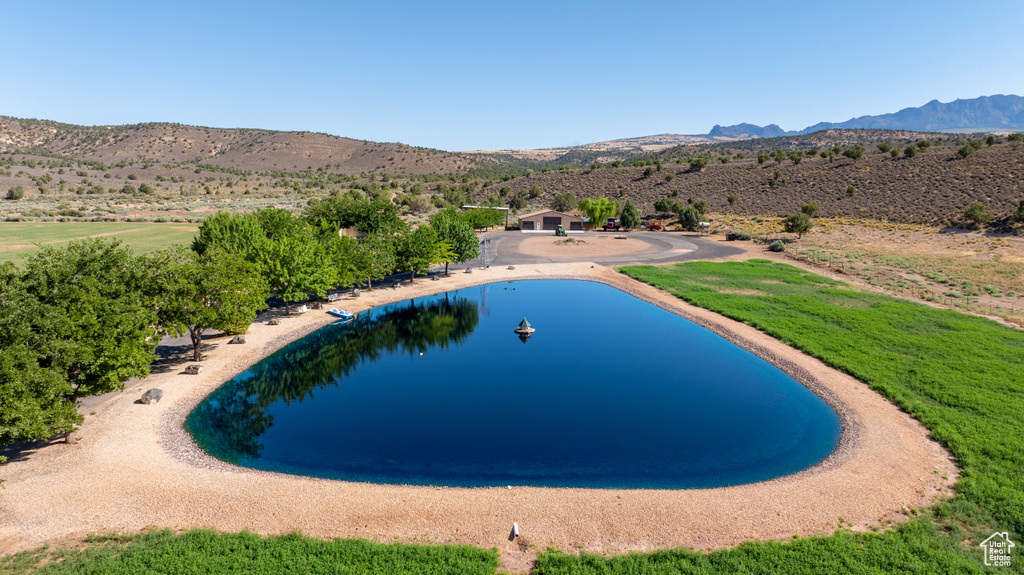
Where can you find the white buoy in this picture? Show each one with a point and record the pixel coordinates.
(515, 530)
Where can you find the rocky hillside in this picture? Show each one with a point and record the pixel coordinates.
(935, 186)
(241, 149)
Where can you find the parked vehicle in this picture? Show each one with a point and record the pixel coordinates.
(611, 225)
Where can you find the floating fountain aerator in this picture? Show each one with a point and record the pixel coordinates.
(524, 328)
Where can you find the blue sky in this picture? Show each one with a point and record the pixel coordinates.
(489, 75)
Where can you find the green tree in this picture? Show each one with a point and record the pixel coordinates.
(796, 157)
(34, 400)
(457, 232)
(416, 251)
(910, 151)
(75, 323)
(293, 266)
(884, 147)
(482, 218)
(977, 215)
(565, 202)
(990, 140)
(276, 223)
(779, 155)
(630, 216)
(16, 193)
(232, 233)
(598, 209)
(146, 188)
(810, 208)
(535, 192)
(799, 224)
(701, 207)
(215, 290)
(376, 258)
(762, 158)
(648, 172)
(368, 216)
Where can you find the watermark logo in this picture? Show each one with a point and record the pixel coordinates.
(997, 549)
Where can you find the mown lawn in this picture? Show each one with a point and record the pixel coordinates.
(18, 239)
(208, 552)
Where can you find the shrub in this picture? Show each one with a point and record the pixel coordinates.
(732, 200)
(777, 246)
(854, 153)
(796, 157)
(129, 189)
(965, 150)
(648, 172)
(895, 152)
(701, 207)
(596, 166)
(810, 208)
(689, 217)
(798, 224)
(669, 177)
(1016, 137)
(146, 189)
(977, 215)
(910, 151)
(698, 164)
(990, 140)
(1018, 216)
(850, 191)
(884, 146)
(16, 193)
(923, 145)
(132, 177)
(724, 159)
(565, 202)
(536, 192)
(664, 205)
(518, 201)
(779, 155)
(762, 158)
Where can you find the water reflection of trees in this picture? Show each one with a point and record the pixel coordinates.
(228, 424)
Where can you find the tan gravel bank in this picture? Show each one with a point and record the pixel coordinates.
(135, 467)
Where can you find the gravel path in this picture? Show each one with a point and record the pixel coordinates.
(135, 467)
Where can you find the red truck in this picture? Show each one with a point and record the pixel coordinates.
(611, 225)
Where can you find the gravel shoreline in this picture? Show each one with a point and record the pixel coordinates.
(136, 466)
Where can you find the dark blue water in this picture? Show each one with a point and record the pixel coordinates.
(609, 392)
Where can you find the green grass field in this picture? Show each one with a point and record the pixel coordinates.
(17, 239)
(201, 551)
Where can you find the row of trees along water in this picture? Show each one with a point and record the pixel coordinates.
(81, 319)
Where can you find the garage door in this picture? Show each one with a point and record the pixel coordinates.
(552, 223)
(576, 226)
(526, 225)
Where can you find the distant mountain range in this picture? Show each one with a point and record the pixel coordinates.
(983, 114)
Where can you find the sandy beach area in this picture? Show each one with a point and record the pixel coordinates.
(135, 467)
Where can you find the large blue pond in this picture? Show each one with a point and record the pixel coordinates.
(609, 392)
